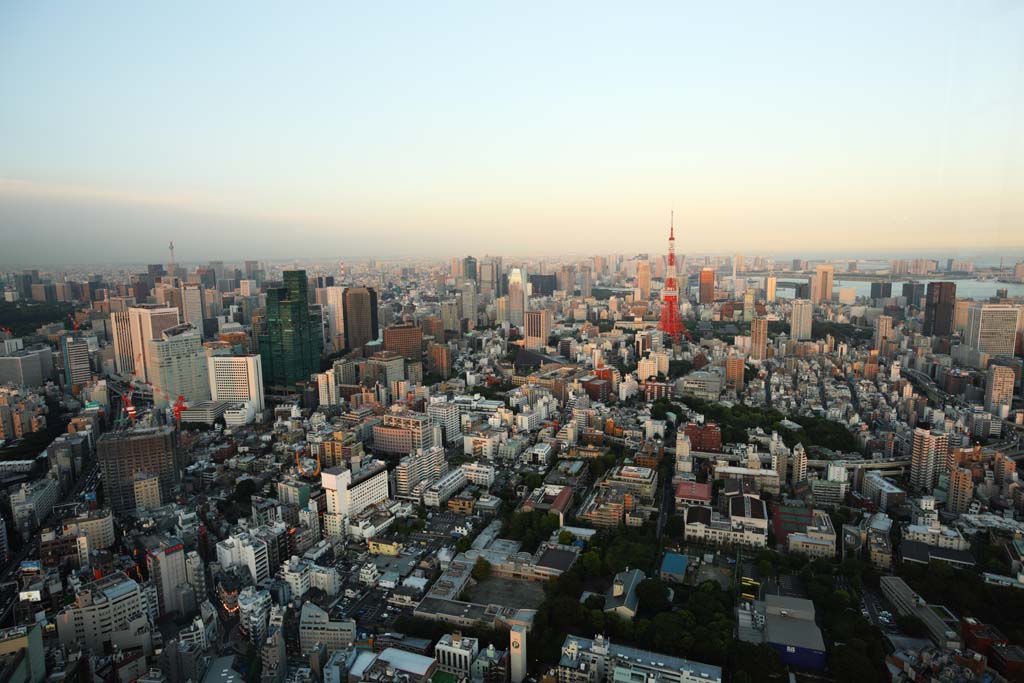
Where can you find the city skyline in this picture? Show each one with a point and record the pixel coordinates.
(349, 131)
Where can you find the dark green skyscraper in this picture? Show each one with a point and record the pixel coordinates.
(290, 338)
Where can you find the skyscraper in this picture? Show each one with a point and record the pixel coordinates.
(75, 356)
(145, 323)
(334, 311)
(928, 453)
(800, 319)
(912, 292)
(707, 286)
(360, 315)
(176, 366)
(237, 378)
(938, 309)
(961, 490)
(538, 328)
(516, 297)
(759, 338)
(821, 284)
(469, 268)
(643, 279)
(992, 328)
(193, 304)
(769, 288)
(405, 339)
(290, 338)
(881, 290)
(998, 388)
(883, 331)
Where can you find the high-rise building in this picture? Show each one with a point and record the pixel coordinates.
(961, 490)
(516, 297)
(883, 331)
(999, 388)
(928, 453)
(121, 454)
(913, 292)
(801, 317)
(424, 466)
(176, 366)
(146, 323)
(707, 286)
(165, 562)
(759, 339)
(938, 309)
(193, 304)
(881, 290)
(643, 279)
(538, 328)
(821, 284)
(769, 288)
(75, 357)
(361, 326)
(291, 335)
(734, 369)
(586, 282)
(469, 268)
(237, 378)
(439, 360)
(469, 302)
(107, 614)
(405, 339)
(334, 311)
(992, 328)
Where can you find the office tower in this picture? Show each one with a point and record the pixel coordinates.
(121, 332)
(469, 302)
(538, 328)
(961, 490)
(469, 268)
(748, 304)
(643, 279)
(881, 290)
(107, 614)
(707, 286)
(451, 315)
(439, 360)
(801, 317)
(75, 356)
(145, 323)
(334, 311)
(405, 339)
(516, 297)
(124, 453)
(739, 264)
(769, 288)
(237, 378)
(938, 309)
(928, 452)
(992, 328)
(290, 338)
(998, 388)
(759, 338)
(586, 282)
(176, 366)
(912, 292)
(488, 279)
(883, 331)
(734, 369)
(327, 386)
(193, 304)
(360, 316)
(821, 284)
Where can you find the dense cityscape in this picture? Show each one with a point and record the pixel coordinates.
(578, 470)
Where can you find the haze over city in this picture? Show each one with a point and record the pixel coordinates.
(360, 131)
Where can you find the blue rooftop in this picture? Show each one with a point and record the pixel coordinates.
(674, 563)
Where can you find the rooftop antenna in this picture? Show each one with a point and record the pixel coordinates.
(171, 264)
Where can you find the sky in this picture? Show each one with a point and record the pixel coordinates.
(354, 130)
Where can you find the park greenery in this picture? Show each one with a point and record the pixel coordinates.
(23, 318)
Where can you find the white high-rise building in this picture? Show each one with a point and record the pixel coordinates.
(237, 378)
(446, 415)
(516, 297)
(143, 324)
(992, 328)
(349, 494)
(328, 388)
(193, 303)
(801, 318)
(998, 388)
(334, 311)
(927, 456)
(176, 366)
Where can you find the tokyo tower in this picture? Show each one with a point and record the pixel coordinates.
(670, 322)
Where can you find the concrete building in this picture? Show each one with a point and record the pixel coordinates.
(176, 366)
(455, 654)
(109, 612)
(237, 378)
(817, 540)
(316, 626)
(801, 317)
(598, 660)
(123, 454)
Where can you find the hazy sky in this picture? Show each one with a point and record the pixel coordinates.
(251, 130)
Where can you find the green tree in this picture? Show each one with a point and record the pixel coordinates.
(653, 597)
(482, 569)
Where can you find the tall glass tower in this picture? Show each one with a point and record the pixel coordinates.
(290, 339)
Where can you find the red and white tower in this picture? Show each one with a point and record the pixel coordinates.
(671, 323)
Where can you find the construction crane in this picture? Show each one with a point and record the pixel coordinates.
(74, 323)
